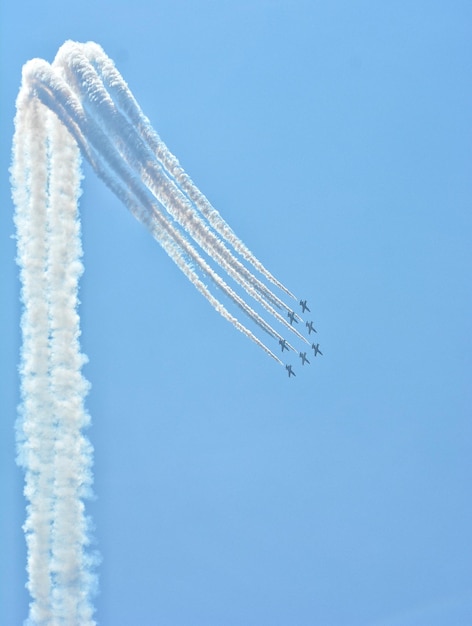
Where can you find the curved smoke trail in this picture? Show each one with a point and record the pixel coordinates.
(81, 104)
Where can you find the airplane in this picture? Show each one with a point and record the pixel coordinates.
(310, 327)
(303, 358)
(292, 318)
(316, 348)
(290, 370)
(304, 306)
(284, 344)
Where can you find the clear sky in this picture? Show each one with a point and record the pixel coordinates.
(336, 139)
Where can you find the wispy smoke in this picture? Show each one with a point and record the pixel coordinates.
(81, 104)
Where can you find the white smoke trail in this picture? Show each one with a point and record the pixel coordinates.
(112, 168)
(56, 455)
(126, 103)
(82, 103)
(36, 444)
(59, 97)
(85, 81)
(73, 452)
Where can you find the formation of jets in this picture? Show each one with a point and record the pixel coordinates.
(293, 317)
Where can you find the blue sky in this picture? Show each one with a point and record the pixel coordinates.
(336, 139)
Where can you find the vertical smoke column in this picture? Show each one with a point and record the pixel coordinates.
(72, 452)
(52, 449)
(35, 430)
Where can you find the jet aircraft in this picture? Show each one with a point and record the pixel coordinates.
(292, 318)
(303, 358)
(310, 327)
(284, 344)
(316, 348)
(304, 306)
(290, 370)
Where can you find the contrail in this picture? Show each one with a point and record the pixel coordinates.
(36, 440)
(85, 80)
(58, 95)
(112, 168)
(56, 455)
(80, 106)
(126, 103)
(73, 453)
